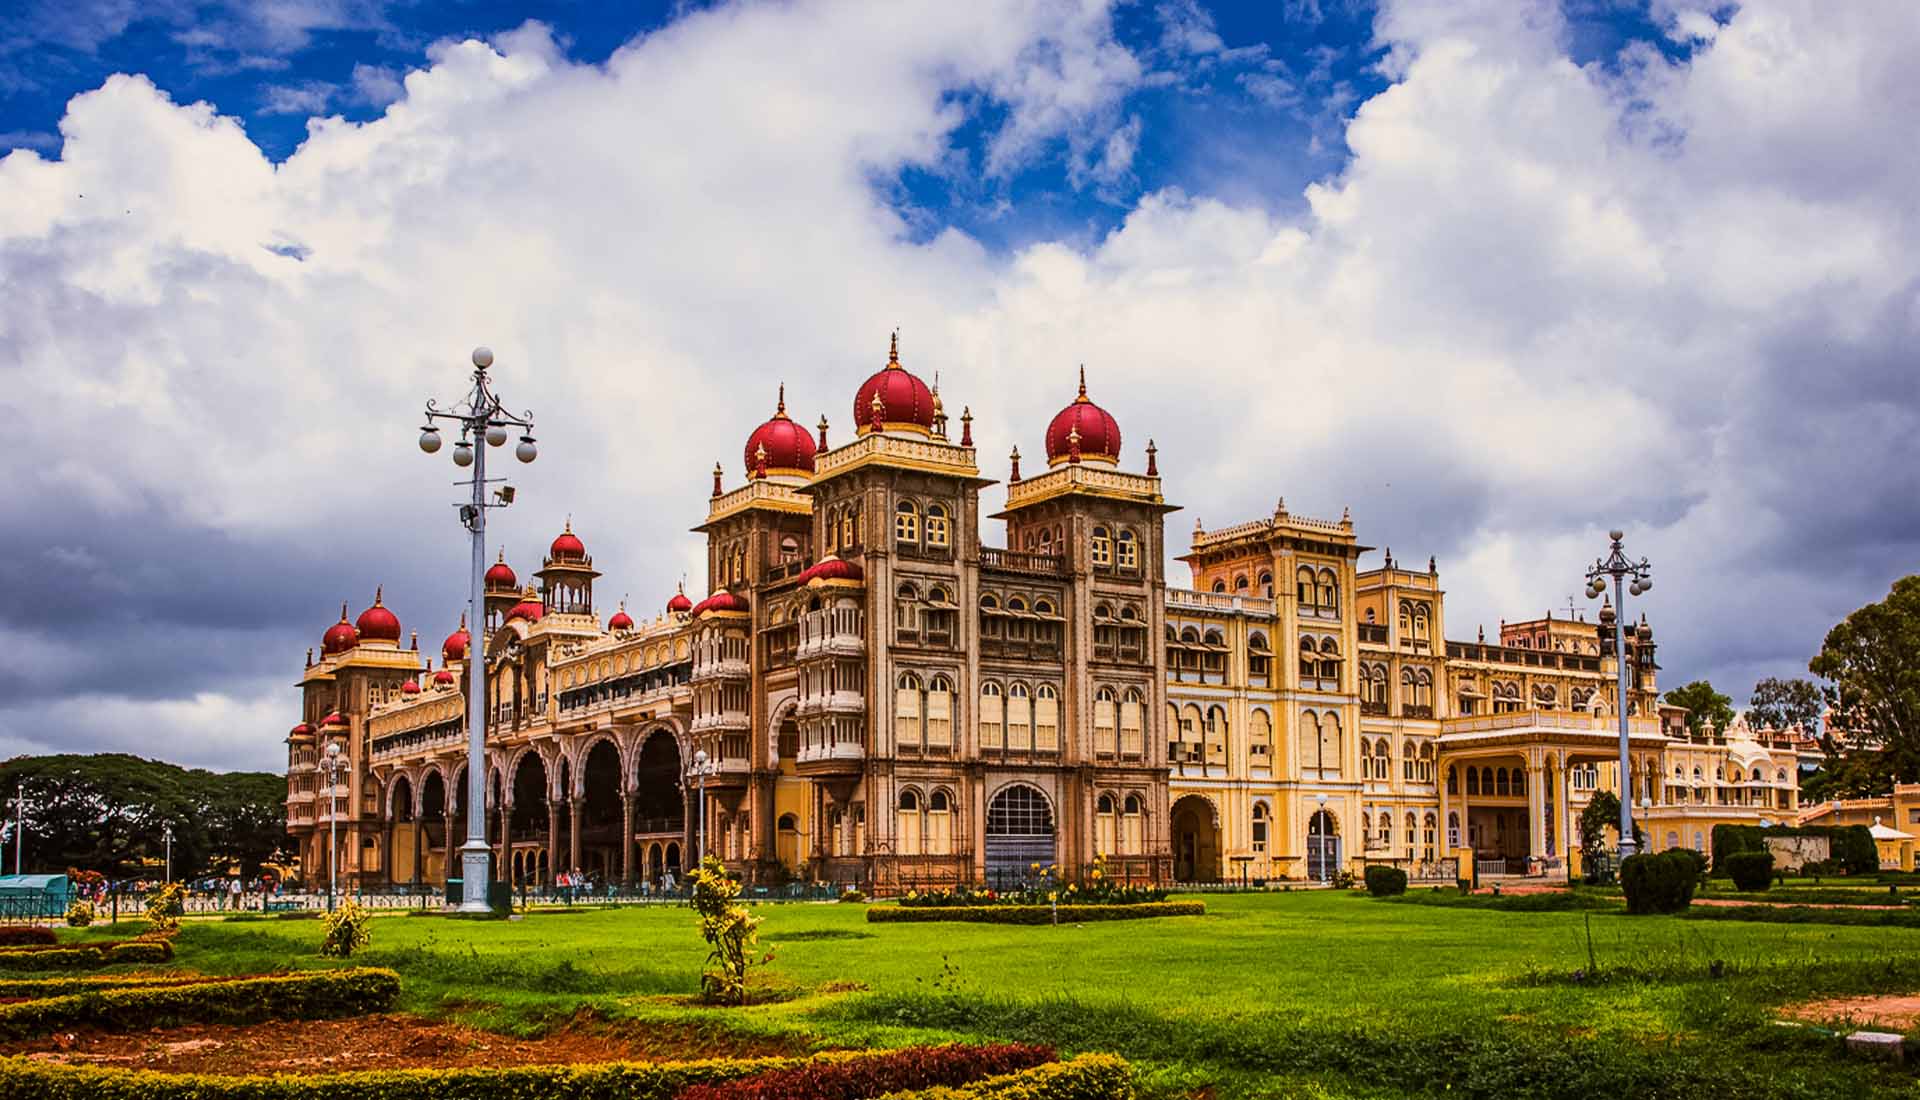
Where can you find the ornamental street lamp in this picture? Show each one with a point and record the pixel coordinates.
(19, 826)
(166, 835)
(332, 766)
(481, 416)
(1619, 567)
(702, 768)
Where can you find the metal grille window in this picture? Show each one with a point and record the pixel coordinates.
(1019, 810)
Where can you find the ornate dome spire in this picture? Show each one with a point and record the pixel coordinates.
(1097, 432)
(894, 399)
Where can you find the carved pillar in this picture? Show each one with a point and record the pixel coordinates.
(1536, 809)
(419, 827)
(553, 838)
(574, 809)
(626, 839)
(447, 845)
(505, 874)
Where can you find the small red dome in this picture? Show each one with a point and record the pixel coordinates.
(1099, 432)
(411, 687)
(444, 676)
(339, 637)
(905, 401)
(789, 447)
(833, 569)
(529, 608)
(301, 730)
(500, 575)
(455, 647)
(722, 600)
(376, 623)
(567, 546)
(333, 719)
(679, 603)
(621, 620)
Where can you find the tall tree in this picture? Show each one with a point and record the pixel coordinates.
(1779, 704)
(1871, 662)
(1703, 705)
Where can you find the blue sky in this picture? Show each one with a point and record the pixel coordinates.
(1243, 100)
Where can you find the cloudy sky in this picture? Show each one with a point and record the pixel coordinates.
(1498, 276)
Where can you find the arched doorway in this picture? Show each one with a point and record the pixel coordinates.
(403, 846)
(1196, 841)
(527, 825)
(600, 850)
(1323, 846)
(789, 841)
(433, 824)
(1019, 832)
(659, 804)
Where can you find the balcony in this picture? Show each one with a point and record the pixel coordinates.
(1410, 711)
(1189, 600)
(833, 632)
(1019, 561)
(1373, 633)
(832, 702)
(719, 721)
(726, 668)
(841, 757)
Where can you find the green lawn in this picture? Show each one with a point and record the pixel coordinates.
(1308, 993)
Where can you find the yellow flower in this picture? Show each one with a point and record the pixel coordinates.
(1036, 867)
(1096, 872)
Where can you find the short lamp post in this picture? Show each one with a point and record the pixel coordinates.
(1326, 844)
(1620, 569)
(19, 826)
(702, 767)
(166, 837)
(331, 764)
(480, 415)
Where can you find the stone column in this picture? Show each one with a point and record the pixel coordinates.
(1446, 805)
(626, 839)
(553, 839)
(447, 845)
(419, 827)
(1566, 808)
(1536, 809)
(505, 857)
(574, 809)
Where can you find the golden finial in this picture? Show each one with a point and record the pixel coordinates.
(377, 589)
(893, 349)
(780, 410)
(343, 611)
(1083, 385)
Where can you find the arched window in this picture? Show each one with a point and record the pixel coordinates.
(1046, 719)
(939, 826)
(906, 523)
(1260, 739)
(1106, 707)
(1329, 662)
(1303, 589)
(1216, 735)
(1133, 826)
(1129, 546)
(1262, 818)
(939, 527)
(993, 730)
(1102, 547)
(1240, 583)
(939, 712)
(1106, 825)
(910, 823)
(1019, 717)
(1326, 590)
(1220, 586)
(1132, 721)
(1266, 585)
(847, 530)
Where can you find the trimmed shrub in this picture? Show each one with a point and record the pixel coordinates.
(53, 958)
(1850, 847)
(166, 905)
(139, 951)
(27, 935)
(35, 988)
(852, 896)
(1662, 882)
(1694, 859)
(80, 913)
(1035, 914)
(886, 1072)
(346, 930)
(1385, 882)
(1090, 1077)
(1751, 871)
(320, 995)
(1855, 851)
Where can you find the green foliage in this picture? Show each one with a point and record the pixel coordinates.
(1545, 901)
(1851, 847)
(166, 905)
(1703, 705)
(106, 812)
(1778, 704)
(345, 930)
(1883, 916)
(1385, 882)
(882, 1073)
(1660, 882)
(312, 996)
(1871, 662)
(1035, 914)
(852, 896)
(728, 930)
(1751, 871)
(1697, 861)
(79, 913)
(1090, 1077)
(146, 952)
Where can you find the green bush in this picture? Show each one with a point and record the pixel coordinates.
(86, 956)
(1385, 882)
(1035, 914)
(346, 930)
(1751, 871)
(1855, 851)
(166, 905)
(36, 988)
(319, 995)
(1850, 847)
(1660, 882)
(1089, 1077)
(80, 913)
(1697, 861)
(885, 1073)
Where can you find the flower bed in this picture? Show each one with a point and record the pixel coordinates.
(310, 996)
(86, 956)
(1089, 1077)
(1035, 914)
(1044, 888)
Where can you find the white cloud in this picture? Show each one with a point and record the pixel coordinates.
(1540, 301)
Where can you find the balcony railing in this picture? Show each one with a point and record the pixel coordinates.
(1020, 561)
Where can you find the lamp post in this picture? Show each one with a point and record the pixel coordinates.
(1619, 567)
(166, 835)
(480, 415)
(701, 768)
(332, 766)
(1326, 844)
(19, 825)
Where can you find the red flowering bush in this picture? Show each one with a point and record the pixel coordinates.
(876, 1075)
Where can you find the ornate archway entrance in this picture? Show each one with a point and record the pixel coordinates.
(1196, 841)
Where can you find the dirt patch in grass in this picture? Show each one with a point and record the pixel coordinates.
(1897, 1012)
(384, 1042)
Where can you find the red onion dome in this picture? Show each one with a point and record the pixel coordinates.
(301, 730)
(905, 402)
(833, 569)
(722, 600)
(339, 637)
(1099, 433)
(411, 687)
(457, 643)
(377, 624)
(500, 575)
(529, 608)
(679, 604)
(621, 620)
(567, 546)
(444, 676)
(780, 446)
(333, 719)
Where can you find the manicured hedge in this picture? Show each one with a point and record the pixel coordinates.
(316, 995)
(1037, 914)
(1661, 882)
(1751, 871)
(1385, 882)
(886, 1072)
(1851, 846)
(60, 986)
(1090, 1077)
(86, 956)
(18, 935)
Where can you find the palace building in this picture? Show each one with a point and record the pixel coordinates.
(882, 698)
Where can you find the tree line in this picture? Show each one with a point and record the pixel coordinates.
(1864, 708)
(109, 812)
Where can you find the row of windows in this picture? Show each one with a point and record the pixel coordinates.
(1018, 718)
(931, 529)
(1110, 551)
(1376, 760)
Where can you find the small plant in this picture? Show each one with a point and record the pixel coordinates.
(165, 906)
(80, 913)
(1386, 882)
(1751, 871)
(728, 929)
(345, 930)
(1661, 882)
(852, 896)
